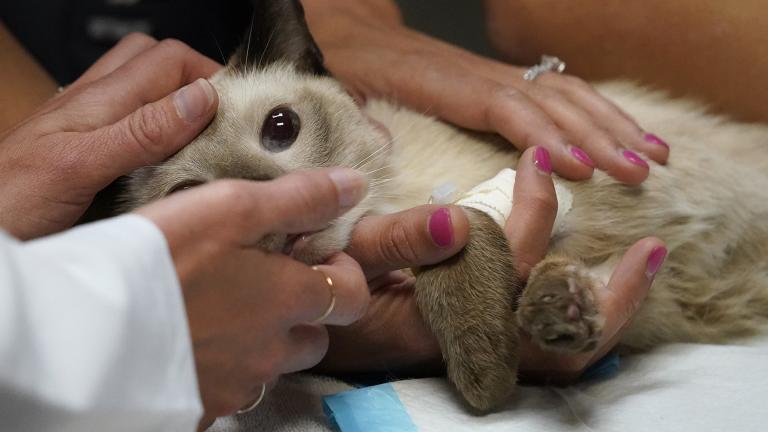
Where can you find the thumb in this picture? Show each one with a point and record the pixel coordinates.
(155, 131)
(419, 236)
(299, 202)
(245, 211)
(629, 285)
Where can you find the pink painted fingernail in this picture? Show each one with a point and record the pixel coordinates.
(655, 260)
(653, 139)
(582, 156)
(634, 158)
(542, 160)
(441, 228)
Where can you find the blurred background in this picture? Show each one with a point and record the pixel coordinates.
(461, 22)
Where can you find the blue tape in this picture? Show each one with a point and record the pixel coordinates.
(605, 368)
(369, 409)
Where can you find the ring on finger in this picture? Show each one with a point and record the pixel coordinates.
(332, 303)
(255, 403)
(547, 64)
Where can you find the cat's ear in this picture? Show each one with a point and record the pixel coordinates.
(278, 33)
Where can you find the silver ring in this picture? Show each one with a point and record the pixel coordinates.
(255, 403)
(547, 64)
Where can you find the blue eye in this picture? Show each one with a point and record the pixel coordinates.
(280, 129)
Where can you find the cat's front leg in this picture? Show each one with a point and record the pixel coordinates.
(558, 309)
(469, 303)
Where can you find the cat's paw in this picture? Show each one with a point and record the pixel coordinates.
(557, 308)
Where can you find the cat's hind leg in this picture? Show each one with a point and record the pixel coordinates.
(469, 303)
(557, 308)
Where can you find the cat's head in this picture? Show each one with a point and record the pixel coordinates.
(279, 111)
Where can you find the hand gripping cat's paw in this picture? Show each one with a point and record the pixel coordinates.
(557, 307)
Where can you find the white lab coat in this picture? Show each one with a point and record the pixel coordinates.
(93, 333)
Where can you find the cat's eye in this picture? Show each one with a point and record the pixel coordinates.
(189, 184)
(280, 129)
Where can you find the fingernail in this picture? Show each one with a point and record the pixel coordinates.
(653, 139)
(542, 160)
(634, 158)
(582, 156)
(351, 186)
(441, 228)
(193, 100)
(655, 260)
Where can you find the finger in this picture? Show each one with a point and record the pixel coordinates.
(580, 97)
(391, 335)
(299, 202)
(348, 296)
(148, 77)
(152, 133)
(302, 201)
(628, 287)
(420, 236)
(610, 117)
(129, 47)
(602, 148)
(529, 226)
(618, 302)
(307, 345)
(390, 280)
(518, 118)
(500, 108)
(306, 295)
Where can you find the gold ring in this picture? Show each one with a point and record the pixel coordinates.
(332, 305)
(255, 403)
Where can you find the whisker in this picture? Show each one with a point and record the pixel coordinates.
(223, 58)
(362, 162)
(378, 169)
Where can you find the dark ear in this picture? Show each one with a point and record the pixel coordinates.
(278, 33)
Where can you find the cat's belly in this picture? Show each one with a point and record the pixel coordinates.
(709, 205)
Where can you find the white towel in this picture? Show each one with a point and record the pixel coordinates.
(677, 388)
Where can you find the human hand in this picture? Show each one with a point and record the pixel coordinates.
(392, 335)
(120, 115)
(379, 57)
(252, 315)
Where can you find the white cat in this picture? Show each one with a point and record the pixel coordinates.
(280, 112)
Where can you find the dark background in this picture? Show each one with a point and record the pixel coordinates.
(460, 22)
(67, 36)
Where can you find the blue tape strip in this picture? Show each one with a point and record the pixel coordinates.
(369, 409)
(605, 368)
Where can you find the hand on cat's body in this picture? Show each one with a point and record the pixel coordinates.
(392, 334)
(120, 115)
(367, 47)
(249, 312)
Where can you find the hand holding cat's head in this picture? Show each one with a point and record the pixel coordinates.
(279, 112)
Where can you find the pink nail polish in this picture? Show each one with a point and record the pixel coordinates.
(655, 260)
(634, 158)
(582, 156)
(441, 228)
(653, 139)
(542, 160)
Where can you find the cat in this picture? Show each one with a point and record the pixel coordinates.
(281, 111)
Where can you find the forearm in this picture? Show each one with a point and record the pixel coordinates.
(24, 84)
(708, 48)
(375, 12)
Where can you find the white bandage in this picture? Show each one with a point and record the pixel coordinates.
(494, 197)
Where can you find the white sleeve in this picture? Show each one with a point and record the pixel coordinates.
(93, 333)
